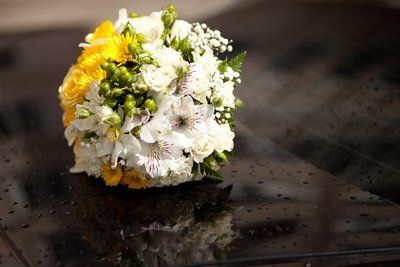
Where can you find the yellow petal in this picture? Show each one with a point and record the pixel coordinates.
(134, 179)
(111, 176)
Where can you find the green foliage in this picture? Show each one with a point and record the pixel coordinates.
(237, 62)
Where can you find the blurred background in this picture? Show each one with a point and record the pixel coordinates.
(23, 15)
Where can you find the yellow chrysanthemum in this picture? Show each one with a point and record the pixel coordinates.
(69, 116)
(134, 179)
(117, 48)
(104, 30)
(111, 176)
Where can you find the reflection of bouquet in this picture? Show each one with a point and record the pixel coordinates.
(192, 223)
(149, 103)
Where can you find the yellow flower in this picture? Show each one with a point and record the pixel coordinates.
(73, 90)
(111, 176)
(117, 48)
(134, 179)
(69, 116)
(104, 30)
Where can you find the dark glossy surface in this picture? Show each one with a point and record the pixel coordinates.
(315, 176)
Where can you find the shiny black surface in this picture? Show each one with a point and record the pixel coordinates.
(315, 176)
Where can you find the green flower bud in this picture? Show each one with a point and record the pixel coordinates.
(112, 68)
(140, 37)
(105, 65)
(141, 88)
(220, 157)
(117, 92)
(175, 44)
(129, 105)
(151, 105)
(123, 69)
(114, 119)
(216, 102)
(211, 161)
(133, 15)
(124, 78)
(83, 113)
(104, 88)
(132, 79)
(129, 97)
(132, 112)
(133, 49)
(111, 102)
(128, 29)
(171, 9)
(167, 18)
(144, 57)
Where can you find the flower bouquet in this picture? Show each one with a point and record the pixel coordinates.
(149, 102)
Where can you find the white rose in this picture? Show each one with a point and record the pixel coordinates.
(158, 78)
(223, 137)
(180, 30)
(202, 147)
(166, 56)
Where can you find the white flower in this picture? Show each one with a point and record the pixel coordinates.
(154, 128)
(166, 56)
(225, 93)
(119, 143)
(180, 170)
(203, 145)
(207, 61)
(158, 157)
(150, 26)
(180, 30)
(92, 95)
(86, 160)
(195, 84)
(71, 134)
(187, 118)
(158, 79)
(223, 136)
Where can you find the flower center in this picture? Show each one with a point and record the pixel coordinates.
(113, 134)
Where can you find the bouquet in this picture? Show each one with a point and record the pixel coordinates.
(150, 101)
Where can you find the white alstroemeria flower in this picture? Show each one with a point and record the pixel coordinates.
(189, 119)
(195, 83)
(119, 142)
(158, 157)
(150, 26)
(157, 126)
(180, 30)
(158, 79)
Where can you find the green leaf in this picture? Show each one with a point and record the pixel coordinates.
(236, 62)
